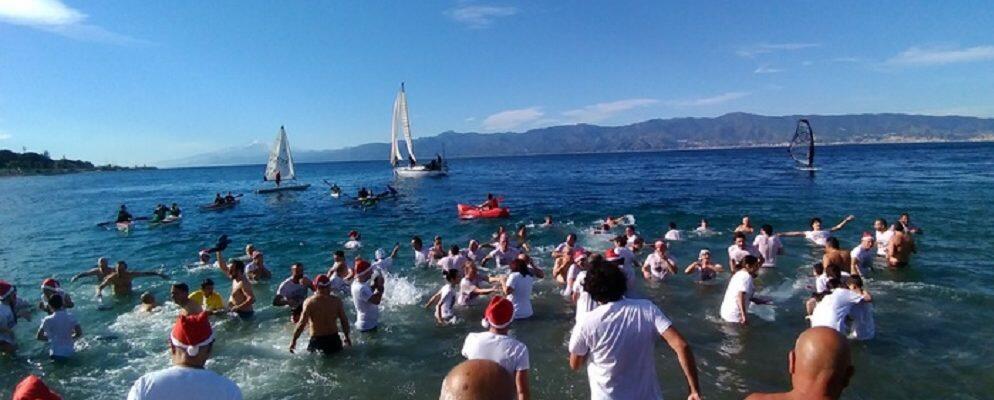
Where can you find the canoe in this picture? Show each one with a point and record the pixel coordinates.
(283, 189)
(218, 207)
(467, 211)
(124, 226)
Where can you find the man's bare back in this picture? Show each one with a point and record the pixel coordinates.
(322, 313)
(899, 250)
(837, 257)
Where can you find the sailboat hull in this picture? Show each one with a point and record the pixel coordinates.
(284, 188)
(418, 172)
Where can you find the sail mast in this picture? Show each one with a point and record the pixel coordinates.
(811, 145)
(406, 121)
(394, 149)
(280, 159)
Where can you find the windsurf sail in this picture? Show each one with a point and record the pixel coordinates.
(280, 159)
(802, 145)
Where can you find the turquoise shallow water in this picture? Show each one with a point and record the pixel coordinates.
(933, 320)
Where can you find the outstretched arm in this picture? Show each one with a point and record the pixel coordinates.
(842, 224)
(105, 283)
(92, 272)
(686, 357)
(791, 234)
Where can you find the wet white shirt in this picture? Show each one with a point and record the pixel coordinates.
(421, 257)
(864, 258)
(475, 256)
(584, 304)
(184, 383)
(831, 311)
(619, 340)
(740, 282)
(736, 253)
(521, 295)
(504, 258)
(367, 313)
(455, 262)
(659, 269)
(383, 264)
(571, 274)
(818, 237)
(447, 299)
(466, 292)
(673, 234)
(883, 240)
(501, 349)
(863, 327)
(8, 321)
(769, 247)
(821, 283)
(59, 328)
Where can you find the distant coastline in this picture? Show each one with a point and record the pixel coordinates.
(28, 164)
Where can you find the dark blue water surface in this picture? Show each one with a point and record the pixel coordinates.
(933, 320)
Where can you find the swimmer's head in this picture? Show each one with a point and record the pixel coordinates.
(148, 298)
(867, 240)
(880, 224)
(704, 254)
(571, 239)
(416, 242)
(380, 254)
(207, 286)
(745, 220)
(249, 249)
(818, 268)
(821, 361)
(832, 243)
(672, 225)
(338, 256)
(855, 282)
(297, 270)
(740, 239)
(454, 250)
(451, 275)
(904, 218)
(898, 228)
(620, 240)
(605, 284)
(630, 230)
(816, 224)
(660, 246)
(767, 229)
(751, 264)
(102, 262)
(121, 266)
(236, 269)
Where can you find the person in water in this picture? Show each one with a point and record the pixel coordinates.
(60, 330)
(495, 345)
(768, 245)
(478, 380)
(242, 297)
(704, 228)
(320, 312)
(363, 193)
(100, 271)
(660, 264)
(882, 234)
(445, 299)
(703, 267)
(8, 317)
(355, 240)
(739, 293)
(256, 270)
(218, 200)
(862, 256)
(740, 249)
(491, 203)
(820, 367)
(148, 302)
(834, 254)
(121, 279)
(817, 235)
(905, 220)
(175, 211)
(208, 299)
(745, 227)
(900, 248)
(123, 215)
(293, 292)
(229, 198)
(179, 293)
(548, 221)
(673, 234)
(51, 288)
(366, 297)
(469, 286)
(339, 273)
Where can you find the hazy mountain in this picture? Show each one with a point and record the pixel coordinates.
(729, 130)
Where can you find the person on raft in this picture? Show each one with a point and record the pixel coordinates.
(491, 202)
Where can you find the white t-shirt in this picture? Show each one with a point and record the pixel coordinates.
(584, 304)
(367, 314)
(184, 383)
(883, 240)
(353, 244)
(658, 269)
(59, 328)
(864, 258)
(740, 282)
(452, 262)
(504, 258)
(619, 340)
(292, 291)
(736, 253)
(521, 295)
(571, 274)
(475, 256)
(769, 247)
(8, 321)
(631, 239)
(466, 294)
(673, 234)
(818, 237)
(384, 264)
(421, 257)
(501, 349)
(821, 283)
(627, 255)
(446, 300)
(863, 327)
(831, 311)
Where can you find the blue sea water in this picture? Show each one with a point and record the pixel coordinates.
(934, 336)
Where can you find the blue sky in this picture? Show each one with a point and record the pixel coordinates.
(135, 82)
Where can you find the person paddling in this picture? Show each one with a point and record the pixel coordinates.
(123, 215)
(491, 202)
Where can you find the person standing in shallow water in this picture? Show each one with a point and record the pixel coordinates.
(242, 297)
(497, 346)
(820, 367)
(366, 297)
(900, 248)
(321, 311)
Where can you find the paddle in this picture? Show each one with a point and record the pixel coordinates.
(104, 224)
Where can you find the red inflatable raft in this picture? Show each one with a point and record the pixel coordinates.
(467, 211)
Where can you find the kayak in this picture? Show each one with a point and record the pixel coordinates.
(218, 207)
(467, 211)
(124, 226)
(168, 220)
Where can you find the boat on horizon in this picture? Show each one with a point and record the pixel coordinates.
(401, 122)
(279, 168)
(802, 146)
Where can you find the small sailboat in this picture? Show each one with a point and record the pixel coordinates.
(280, 167)
(401, 122)
(802, 146)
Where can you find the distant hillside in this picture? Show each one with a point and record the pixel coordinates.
(729, 130)
(29, 163)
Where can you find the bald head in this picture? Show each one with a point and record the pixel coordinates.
(821, 360)
(478, 380)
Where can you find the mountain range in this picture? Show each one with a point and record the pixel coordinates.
(729, 130)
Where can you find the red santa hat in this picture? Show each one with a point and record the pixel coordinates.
(610, 255)
(190, 333)
(321, 281)
(32, 388)
(579, 254)
(362, 267)
(51, 284)
(353, 234)
(6, 289)
(499, 313)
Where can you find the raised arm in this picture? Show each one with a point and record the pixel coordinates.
(842, 224)
(221, 263)
(686, 358)
(791, 234)
(396, 248)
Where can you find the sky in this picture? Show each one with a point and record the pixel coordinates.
(140, 82)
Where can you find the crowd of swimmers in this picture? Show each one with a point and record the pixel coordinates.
(613, 334)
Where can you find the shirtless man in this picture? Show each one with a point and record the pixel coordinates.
(121, 279)
(101, 271)
(745, 227)
(900, 248)
(563, 256)
(242, 298)
(321, 311)
(180, 294)
(820, 367)
(834, 254)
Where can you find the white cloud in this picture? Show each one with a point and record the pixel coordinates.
(470, 119)
(708, 101)
(56, 17)
(602, 111)
(510, 119)
(479, 16)
(918, 56)
(846, 60)
(765, 69)
(5, 136)
(765, 48)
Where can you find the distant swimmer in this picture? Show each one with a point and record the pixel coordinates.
(660, 264)
(882, 234)
(191, 344)
(445, 299)
(834, 307)
(218, 200)
(101, 271)
(703, 269)
(203, 259)
(8, 317)
(547, 222)
(363, 193)
(293, 291)
(478, 380)
(354, 242)
(739, 293)
(495, 345)
(905, 220)
(900, 249)
(820, 367)
(470, 285)
(175, 211)
(51, 288)
(817, 235)
(862, 256)
(229, 198)
(768, 245)
(366, 297)
(491, 202)
(123, 215)
(179, 293)
(148, 302)
(121, 279)
(323, 312)
(673, 234)
(739, 250)
(704, 228)
(834, 254)
(745, 226)
(60, 330)
(208, 298)
(617, 341)
(242, 298)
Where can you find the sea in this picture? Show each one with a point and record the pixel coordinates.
(934, 336)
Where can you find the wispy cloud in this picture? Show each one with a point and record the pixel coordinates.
(928, 56)
(56, 17)
(478, 16)
(765, 48)
(511, 119)
(708, 101)
(846, 60)
(602, 111)
(766, 69)
(5, 136)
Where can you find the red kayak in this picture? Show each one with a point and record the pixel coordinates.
(467, 211)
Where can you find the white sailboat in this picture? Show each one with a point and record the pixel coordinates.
(280, 167)
(412, 169)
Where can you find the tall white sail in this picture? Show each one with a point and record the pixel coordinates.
(280, 159)
(406, 122)
(394, 148)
